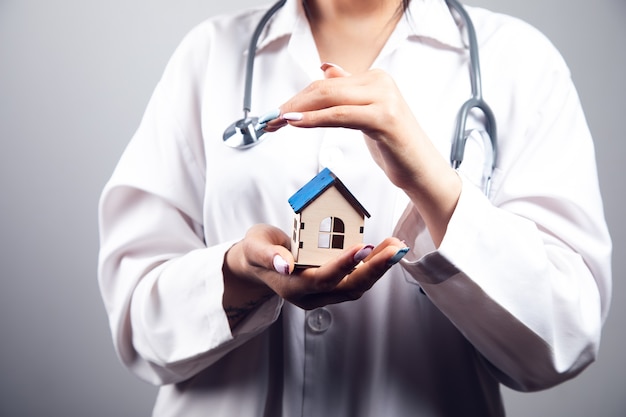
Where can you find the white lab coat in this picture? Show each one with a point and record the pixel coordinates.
(516, 293)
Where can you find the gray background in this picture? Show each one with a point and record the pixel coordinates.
(75, 76)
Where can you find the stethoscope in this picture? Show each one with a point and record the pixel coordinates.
(247, 132)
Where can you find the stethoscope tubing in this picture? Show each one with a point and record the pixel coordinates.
(247, 98)
(476, 101)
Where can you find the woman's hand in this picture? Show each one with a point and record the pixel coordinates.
(261, 265)
(371, 102)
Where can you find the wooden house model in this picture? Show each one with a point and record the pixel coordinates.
(327, 219)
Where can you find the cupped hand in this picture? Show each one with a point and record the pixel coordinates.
(261, 265)
(372, 103)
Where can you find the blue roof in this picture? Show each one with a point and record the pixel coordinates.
(320, 183)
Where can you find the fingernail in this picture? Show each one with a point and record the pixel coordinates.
(293, 116)
(267, 117)
(270, 115)
(327, 65)
(280, 265)
(397, 257)
(363, 253)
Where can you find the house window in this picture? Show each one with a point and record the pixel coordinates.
(332, 233)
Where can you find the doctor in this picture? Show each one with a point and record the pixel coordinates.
(471, 292)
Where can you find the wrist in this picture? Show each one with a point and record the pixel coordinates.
(243, 292)
(436, 201)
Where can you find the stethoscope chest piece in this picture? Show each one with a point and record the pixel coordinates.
(243, 134)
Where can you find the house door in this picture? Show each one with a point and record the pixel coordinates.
(331, 234)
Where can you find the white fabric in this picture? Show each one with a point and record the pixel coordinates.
(517, 291)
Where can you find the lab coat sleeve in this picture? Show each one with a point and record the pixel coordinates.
(161, 283)
(525, 275)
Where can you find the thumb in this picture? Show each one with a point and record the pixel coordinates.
(333, 70)
(268, 246)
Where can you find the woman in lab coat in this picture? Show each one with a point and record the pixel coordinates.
(455, 291)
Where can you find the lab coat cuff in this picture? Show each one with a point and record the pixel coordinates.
(256, 321)
(427, 264)
(260, 319)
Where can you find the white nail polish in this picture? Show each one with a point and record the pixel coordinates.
(280, 265)
(293, 116)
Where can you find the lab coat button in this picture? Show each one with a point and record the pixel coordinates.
(319, 320)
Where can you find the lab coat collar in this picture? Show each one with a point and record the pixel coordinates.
(433, 19)
(284, 23)
(426, 19)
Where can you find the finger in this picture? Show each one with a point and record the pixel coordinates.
(382, 258)
(333, 70)
(321, 94)
(326, 277)
(276, 124)
(321, 282)
(358, 117)
(341, 88)
(390, 242)
(267, 247)
(283, 121)
(361, 280)
(356, 282)
(266, 117)
(368, 102)
(364, 102)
